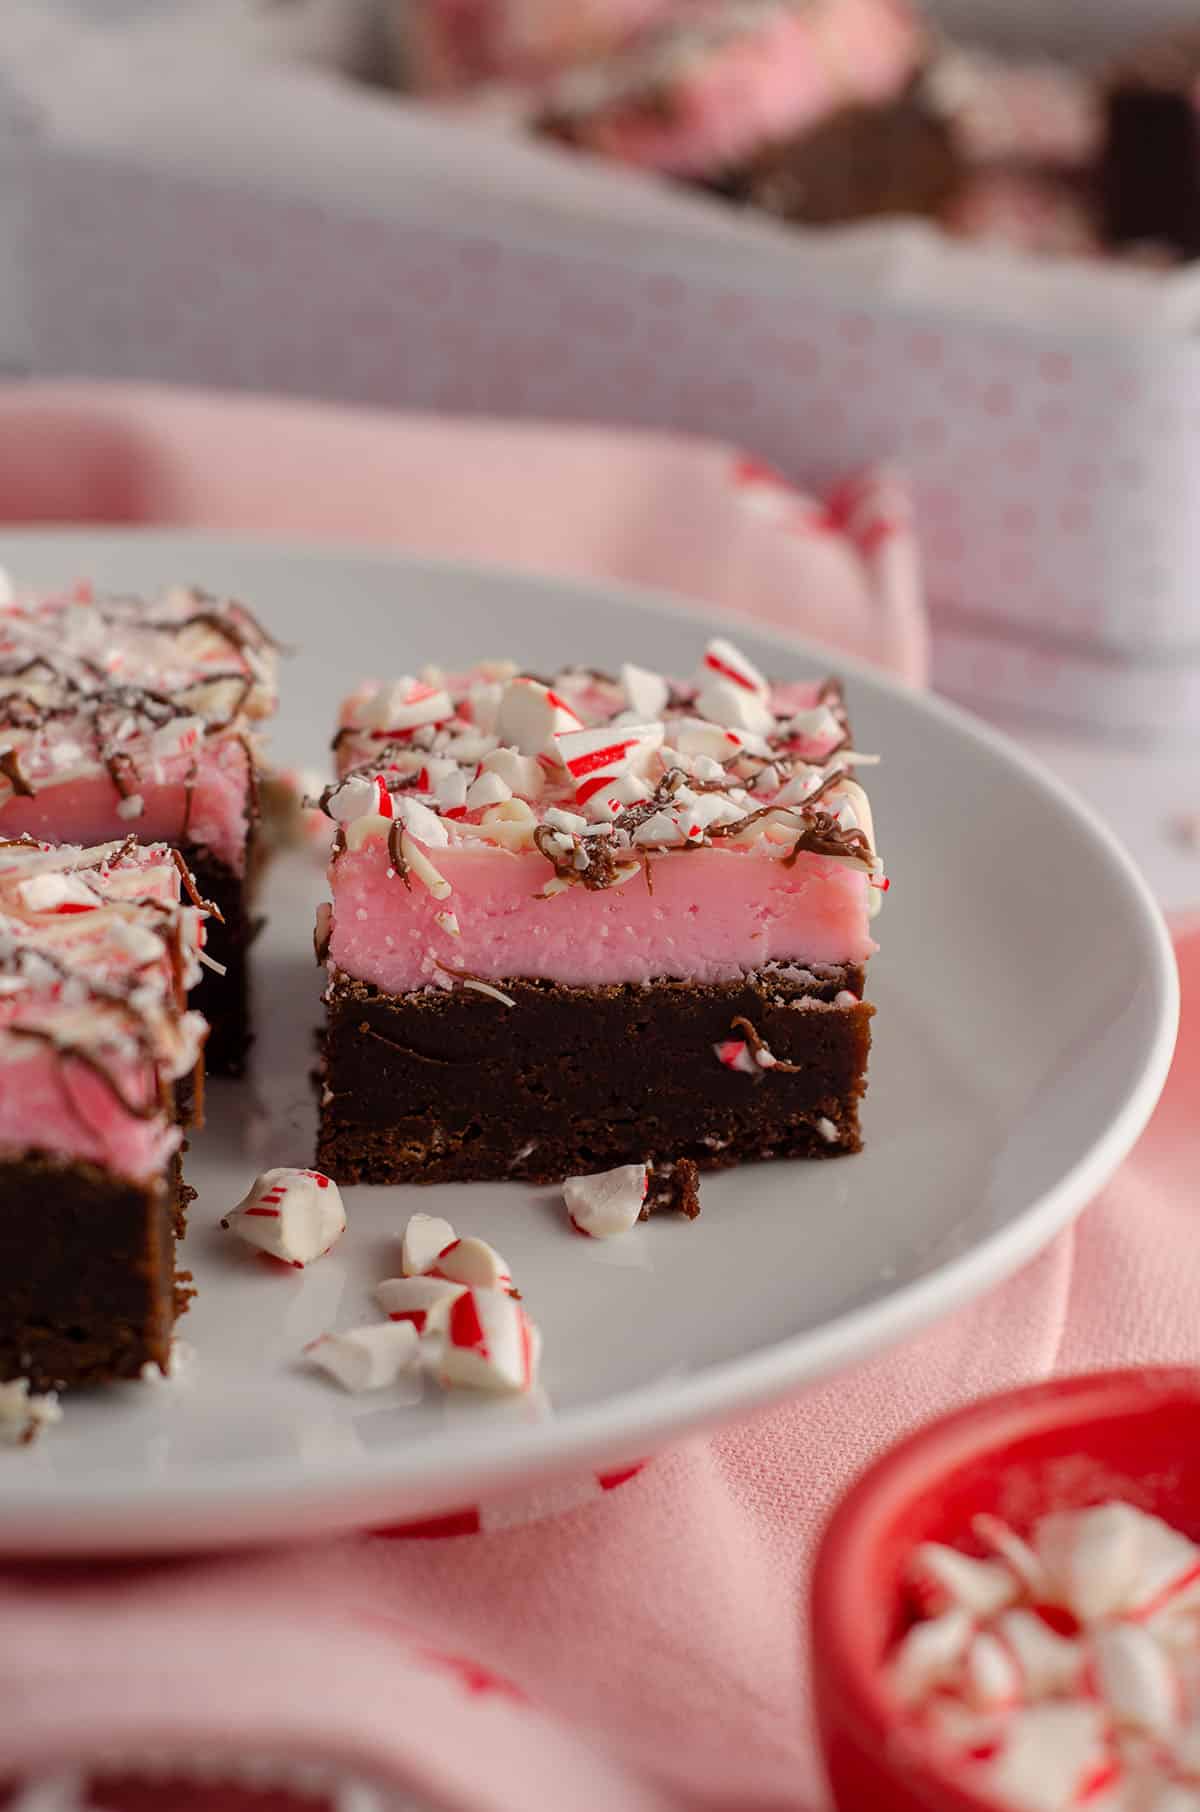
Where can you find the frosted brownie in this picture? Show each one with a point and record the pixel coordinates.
(120, 715)
(97, 1049)
(703, 93)
(593, 921)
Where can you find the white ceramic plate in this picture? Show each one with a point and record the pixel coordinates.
(1027, 1008)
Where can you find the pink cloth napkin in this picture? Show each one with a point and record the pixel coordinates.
(631, 1643)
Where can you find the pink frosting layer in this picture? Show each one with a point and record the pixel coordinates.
(64, 1108)
(715, 914)
(84, 809)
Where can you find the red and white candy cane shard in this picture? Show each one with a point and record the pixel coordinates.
(595, 758)
(424, 1301)
(1177, 1593)
(1050, 1757)
(817, 725)
(735, 1054)
(490, 1343)
(943, 1577)
(425, 1236)
(729, 663)
(1115, 1560)
(522, 774)
(179, 737)
(382, 802)
(1168, 1580)
(928, 1653)
(1050, 1664)
(697, 736)
(407, 705)
(734, 708)
(1003, 1541)
(451, 792)
(530, 716)
(367, 1358)
(1091, 1557)
(473, 1262)
(607, 1203)
(352, 798)
(992, 1676)
(1137, 1679)
(59, 893)
(420, 822)
(646, 692)
(709, 809)
(295, 1215)
(488, 789)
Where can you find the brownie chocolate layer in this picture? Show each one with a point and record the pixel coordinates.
(864, 163)
(1150, 166)
(225, 999)
(88, 1288)
(439, 1087)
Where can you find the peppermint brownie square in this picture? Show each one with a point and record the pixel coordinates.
(119, 715)
(731, 97)
(592, 921)
(97, 1055)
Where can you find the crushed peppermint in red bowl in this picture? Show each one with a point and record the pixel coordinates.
(1006, 1607)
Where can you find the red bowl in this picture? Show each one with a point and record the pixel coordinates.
(1133, 1435)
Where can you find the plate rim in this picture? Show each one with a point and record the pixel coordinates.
(38, 1519)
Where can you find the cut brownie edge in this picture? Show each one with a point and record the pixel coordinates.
(225, 1000)
(458, 1087)
(96, 1296)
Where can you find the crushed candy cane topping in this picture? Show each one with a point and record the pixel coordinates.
(1062, 1669)
(132, 688)
(600, 773)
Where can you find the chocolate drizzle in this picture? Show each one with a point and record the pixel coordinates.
(820, 834)
(188, 882)
(396, 855)
(236, 625)
(607, 854)
(78, 1053)
(244, 681)
(123, 774)
(601, 869)
(10, 767)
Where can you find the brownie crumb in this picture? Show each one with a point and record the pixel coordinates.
(673, 1187)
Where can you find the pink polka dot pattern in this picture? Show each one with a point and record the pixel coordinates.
(1048, 474)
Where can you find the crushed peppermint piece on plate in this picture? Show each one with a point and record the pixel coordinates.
(367, 1358)
(607, 1203)
(294, 1215)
